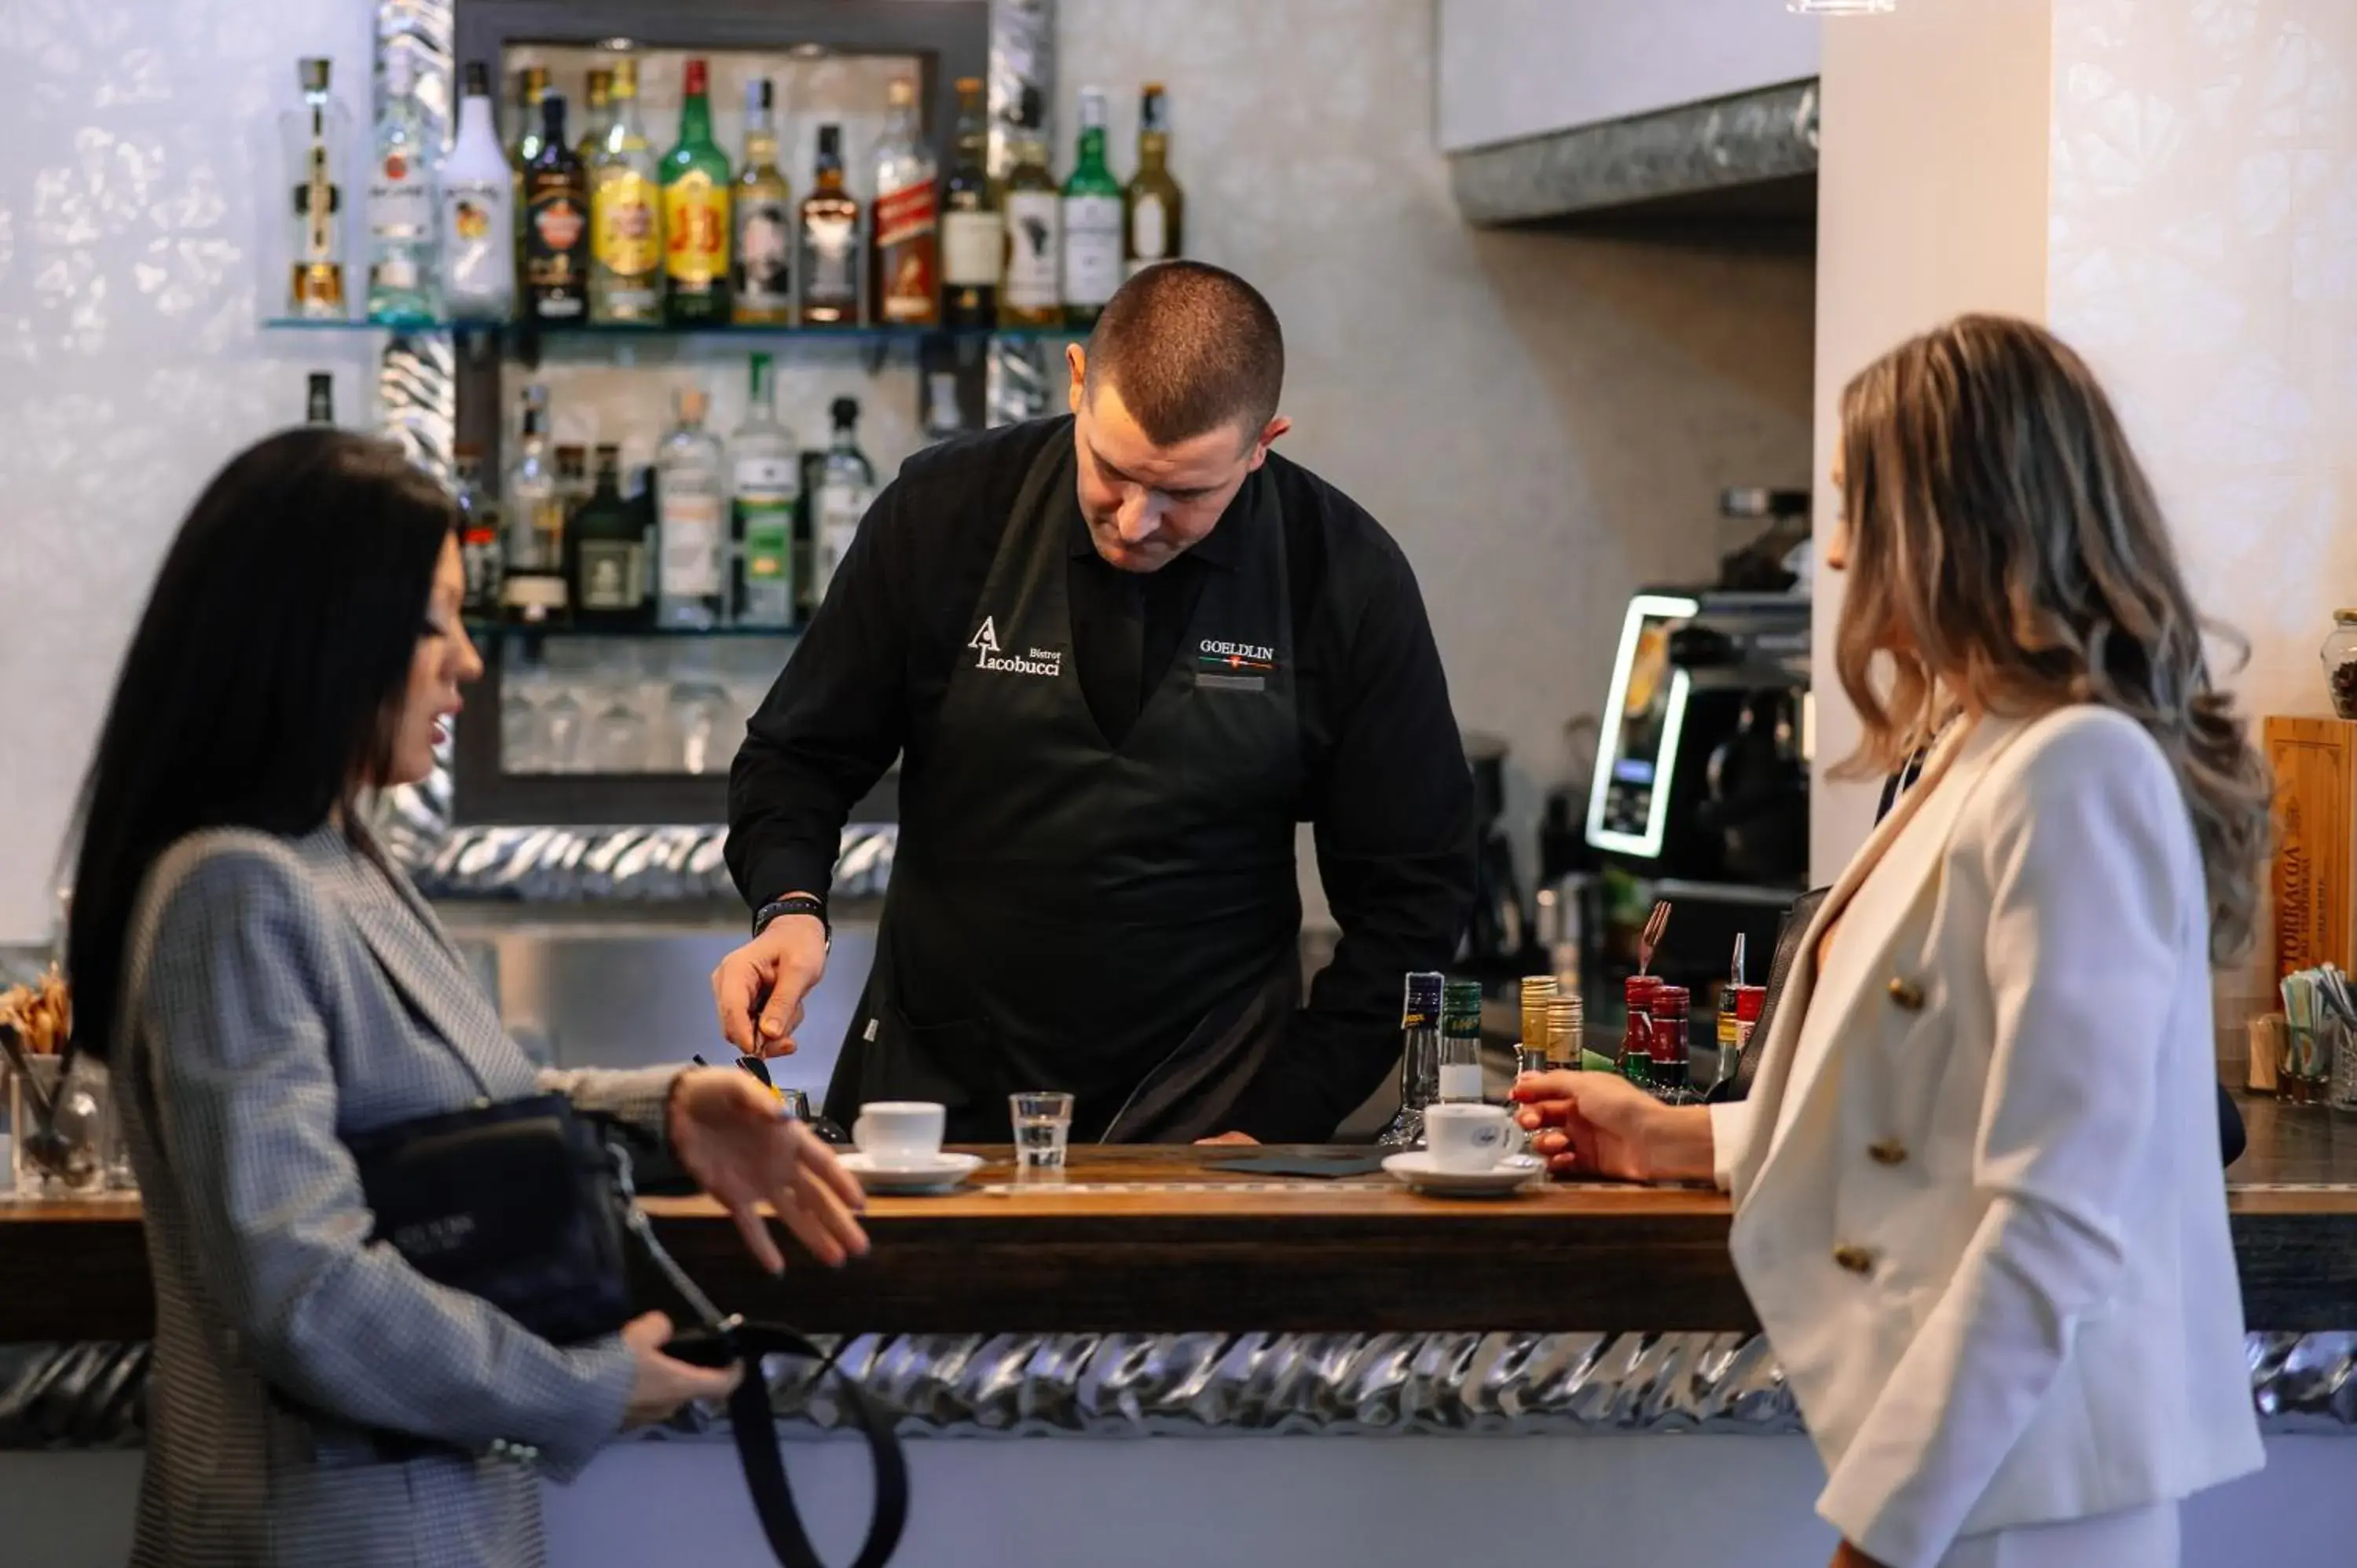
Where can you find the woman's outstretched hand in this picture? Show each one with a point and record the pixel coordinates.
(1600, 1124)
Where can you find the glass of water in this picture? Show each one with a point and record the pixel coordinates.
(1043, 1127)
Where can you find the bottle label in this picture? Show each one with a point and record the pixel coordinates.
(974, 248)
(1035, 229)
(479, 256)
(627, 240)
(767, 489)
(1092, 249)
(905, 241)
(765, 256)
(400, 200)
(831, 275)
(840, 508)
(691, 546)
(555, 229)
(1460, 1081)
(696, 230)
(1150, 233)
(613, 574)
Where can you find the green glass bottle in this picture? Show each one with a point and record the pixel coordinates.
(1460, 1041)
(696, 214)
(1093, 222)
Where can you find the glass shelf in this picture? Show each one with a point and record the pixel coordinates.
(482, 629)
(631, 331)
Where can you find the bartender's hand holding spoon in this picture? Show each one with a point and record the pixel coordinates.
(760, 988)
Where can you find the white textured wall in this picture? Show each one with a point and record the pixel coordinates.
(1543, 422)
(1511, 69)
(1932, 201)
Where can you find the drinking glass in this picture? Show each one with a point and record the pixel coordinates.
(520, 727)
(619, 737)
(708, 723)
(1043, 1127)
(559, 731)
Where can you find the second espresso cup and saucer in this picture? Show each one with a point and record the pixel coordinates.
(899, 1150)
(1469, 1152)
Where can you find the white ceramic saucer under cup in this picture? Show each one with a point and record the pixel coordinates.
(1510, 1174)
(906, 1174)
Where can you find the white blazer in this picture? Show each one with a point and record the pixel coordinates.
(1978, 1200)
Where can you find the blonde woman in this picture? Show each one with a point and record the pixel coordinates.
(1977, 1205)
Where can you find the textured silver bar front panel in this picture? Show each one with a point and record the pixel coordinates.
(638, 865)
(1753, 137)
(1021, 377)
(1177, 1385)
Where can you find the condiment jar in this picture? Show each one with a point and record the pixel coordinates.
(2340, 655)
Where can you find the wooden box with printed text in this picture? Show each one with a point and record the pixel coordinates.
(2314, 880)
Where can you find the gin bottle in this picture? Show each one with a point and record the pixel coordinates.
(691, 498)
(403, 288)
(769, 486)
(315, 136)
(846, 488)
(1093, 221)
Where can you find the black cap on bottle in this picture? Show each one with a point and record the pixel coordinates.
(479, 80)
(830, 143)
(766, 93)
(846, 410)
(1031, 113)
(552, 117)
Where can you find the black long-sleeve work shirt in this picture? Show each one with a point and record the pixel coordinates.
(1386, 783)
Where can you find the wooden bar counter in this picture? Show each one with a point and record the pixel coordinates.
(1148, 1239)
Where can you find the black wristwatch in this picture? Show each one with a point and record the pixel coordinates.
(796, 903)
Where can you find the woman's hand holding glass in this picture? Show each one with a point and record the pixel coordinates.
(1598, 1124)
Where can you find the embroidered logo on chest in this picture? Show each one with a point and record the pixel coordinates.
(1048, 661)
(1254, 657)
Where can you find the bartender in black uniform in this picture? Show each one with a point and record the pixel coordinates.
(1120, 655)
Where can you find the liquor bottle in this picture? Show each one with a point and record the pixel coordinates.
(974, 235)
(478, 211)
(571, 476)
(315, 138)
(609, 543)
(557, 225)
(845, 494)
(527, 135)
(1668, 1053)
(767, 474)
(830, 247)
(319, 400)
(1419, 1060)
(906, 284)
(1637, 1033)
(1538, 1001)
(1461, 1040)
(534, 590)
(1091, 221)
(1032, 293)
(402, 285)
(695, 212)
(479, 533)
(690, 527)
(596, 119)
(1153, 209)
(625, 225)
(943, 418)
(1566, 1032)
(764, 211)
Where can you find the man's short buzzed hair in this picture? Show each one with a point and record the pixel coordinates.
(1191, 348)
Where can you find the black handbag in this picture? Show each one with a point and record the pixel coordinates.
(526, 1204)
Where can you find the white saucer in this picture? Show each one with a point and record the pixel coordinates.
(1508, 1175)
(904, 1177)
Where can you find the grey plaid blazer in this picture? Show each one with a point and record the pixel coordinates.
(280, 995)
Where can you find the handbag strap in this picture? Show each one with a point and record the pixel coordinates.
(755, 1431)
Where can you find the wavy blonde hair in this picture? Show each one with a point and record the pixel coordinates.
(2005, 548)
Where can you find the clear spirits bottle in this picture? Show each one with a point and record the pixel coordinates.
(1461, 1040)
(1419, 1058)
(1091, 221)
(402, 286)
(830, 241)
(1153, 208)
(943, 418)
(478, 211)
(905, 250)
(534, 590)
(315, 138)
(1032, 293)
(846, 488)
(626, 224)
(319, 400)
(767, 470)
(764, 215)
(691, 498)
(973, 236)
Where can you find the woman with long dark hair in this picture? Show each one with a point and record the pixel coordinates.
(1977, 1205)
(267, 985)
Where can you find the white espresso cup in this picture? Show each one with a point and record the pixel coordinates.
(1464, 1136)
(903, 1130)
